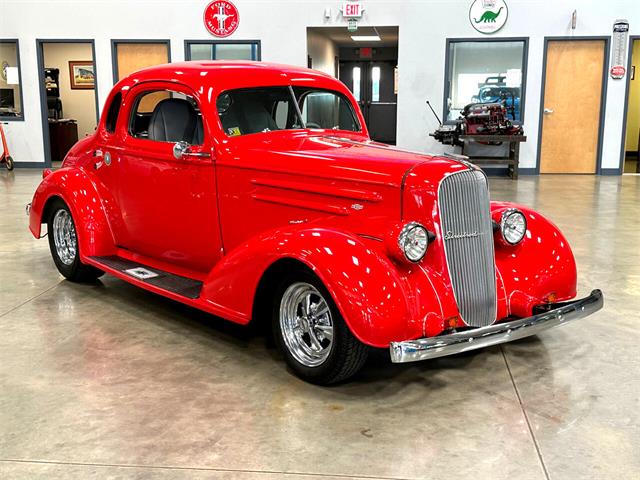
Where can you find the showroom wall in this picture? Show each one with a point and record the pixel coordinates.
(282, 25)
(76, 104)
(322, 52)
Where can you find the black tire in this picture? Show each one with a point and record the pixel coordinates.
(347, 354)
(76, 271)
(10, 163)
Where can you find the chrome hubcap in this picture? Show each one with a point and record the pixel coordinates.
(64, 237)
(306, 324)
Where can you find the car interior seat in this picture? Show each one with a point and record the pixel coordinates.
(175, 120)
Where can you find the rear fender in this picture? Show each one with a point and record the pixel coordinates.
(372, 295)
(540, 268)
(76, 189)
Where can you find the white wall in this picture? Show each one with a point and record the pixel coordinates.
(281, 25)
(322, 51)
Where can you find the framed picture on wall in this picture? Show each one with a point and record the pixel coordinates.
(81, 74)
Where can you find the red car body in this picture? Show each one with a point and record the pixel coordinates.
(331, 200)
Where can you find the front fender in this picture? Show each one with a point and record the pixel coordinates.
(370, 291)
(540, 269)
(77, 190)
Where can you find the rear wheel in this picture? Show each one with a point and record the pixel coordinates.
(9, 162)
(63, 243)
(311, 333)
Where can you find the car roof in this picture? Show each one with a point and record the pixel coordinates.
(225, 74)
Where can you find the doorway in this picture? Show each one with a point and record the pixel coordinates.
(129, 56)
(572, 110)
(68, 94)
(366, 61)
(631, 131)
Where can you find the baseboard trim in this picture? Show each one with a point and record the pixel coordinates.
(527, 171)
(610, 171)
(29, 165)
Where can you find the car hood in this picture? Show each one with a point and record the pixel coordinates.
(344, 182)
(342, 158)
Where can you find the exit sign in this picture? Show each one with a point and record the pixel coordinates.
(352, 10)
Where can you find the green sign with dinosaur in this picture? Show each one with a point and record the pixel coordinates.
(488, 16)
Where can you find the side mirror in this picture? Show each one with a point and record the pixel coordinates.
(182, 149)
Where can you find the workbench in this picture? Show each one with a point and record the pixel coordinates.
(511, 160)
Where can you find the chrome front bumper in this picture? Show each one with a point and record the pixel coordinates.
(557, 314)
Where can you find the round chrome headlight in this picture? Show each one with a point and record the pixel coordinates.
(413, 241)
(513, 226)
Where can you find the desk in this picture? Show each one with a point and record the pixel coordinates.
(63, 134)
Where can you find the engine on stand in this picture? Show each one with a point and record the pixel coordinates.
(476, 119)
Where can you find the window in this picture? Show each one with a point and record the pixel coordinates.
(356, 83)
(254, 110)
(166, 116)
(112, 113)
(375, 84)
(325, 109)
(222, 50)
(10, 81)
(485, 72)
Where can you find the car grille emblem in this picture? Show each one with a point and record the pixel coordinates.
(456, 236)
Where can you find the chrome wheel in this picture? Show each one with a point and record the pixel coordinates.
(306, 324)
(64, 237)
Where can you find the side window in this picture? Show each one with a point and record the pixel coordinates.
(112, 113)
(328, 110)
(166, 116)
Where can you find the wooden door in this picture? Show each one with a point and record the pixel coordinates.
(572, 102)
(132, 57)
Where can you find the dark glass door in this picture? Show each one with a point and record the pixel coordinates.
(373, 83)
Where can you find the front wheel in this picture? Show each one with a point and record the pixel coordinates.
(63, 243)
(311, 333)
(10, 163)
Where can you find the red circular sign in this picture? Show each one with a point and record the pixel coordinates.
(221, 18)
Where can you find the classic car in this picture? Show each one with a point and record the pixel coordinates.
(252, 191)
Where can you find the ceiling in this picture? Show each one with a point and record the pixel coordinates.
(342, 37)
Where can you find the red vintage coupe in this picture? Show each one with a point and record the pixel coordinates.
(252, 190)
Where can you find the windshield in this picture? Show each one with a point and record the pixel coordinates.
(253, 110)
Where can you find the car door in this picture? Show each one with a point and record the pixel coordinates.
(105, 165)
(168, 204)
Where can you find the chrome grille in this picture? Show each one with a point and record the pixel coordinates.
(468, 243)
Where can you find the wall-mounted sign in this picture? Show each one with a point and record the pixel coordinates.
(352, 9)
(352, 26)
(619, 50)
(221, 18)
(366, 52)
(488, 16)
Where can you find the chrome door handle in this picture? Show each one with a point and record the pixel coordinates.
(547, 111)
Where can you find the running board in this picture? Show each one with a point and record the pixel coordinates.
(183, 286)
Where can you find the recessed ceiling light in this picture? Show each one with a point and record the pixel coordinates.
(365, 38)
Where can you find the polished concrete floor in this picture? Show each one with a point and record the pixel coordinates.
(108, 381)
